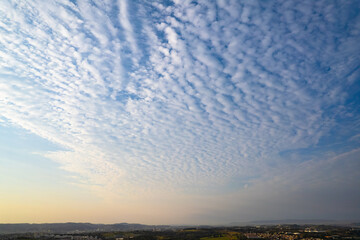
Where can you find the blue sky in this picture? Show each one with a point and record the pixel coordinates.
(196, 111)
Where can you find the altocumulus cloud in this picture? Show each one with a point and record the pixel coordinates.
(190, 96)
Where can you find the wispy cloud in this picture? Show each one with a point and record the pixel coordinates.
(178, 95)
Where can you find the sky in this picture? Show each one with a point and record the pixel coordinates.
(179, 112)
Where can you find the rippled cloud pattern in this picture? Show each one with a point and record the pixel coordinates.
(189, 96)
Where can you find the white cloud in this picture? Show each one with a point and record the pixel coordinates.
(213, 98)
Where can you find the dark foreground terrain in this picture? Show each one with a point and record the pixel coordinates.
(204, 233)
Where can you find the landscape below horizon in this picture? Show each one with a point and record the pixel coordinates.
(70, 227)
(179, 112)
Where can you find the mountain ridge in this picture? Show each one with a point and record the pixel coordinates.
(8, 228)
(73, 227)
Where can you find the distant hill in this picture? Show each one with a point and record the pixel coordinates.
(73, 227)
(293, 221)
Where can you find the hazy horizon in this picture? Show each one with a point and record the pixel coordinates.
(198, 112)
(242, 223)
